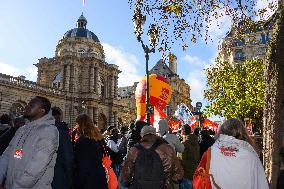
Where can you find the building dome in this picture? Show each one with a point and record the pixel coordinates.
(81, 30)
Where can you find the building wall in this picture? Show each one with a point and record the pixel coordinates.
(87, 84)
(252, 45)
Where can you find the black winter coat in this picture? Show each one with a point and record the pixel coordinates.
(206, 143)
(6, 138)
(89, 172)
(64, 163)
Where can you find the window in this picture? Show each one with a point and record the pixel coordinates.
(81, 50)
(239, 55)
(263, 38)
(56, 81)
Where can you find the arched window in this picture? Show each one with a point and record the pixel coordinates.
(56, 81)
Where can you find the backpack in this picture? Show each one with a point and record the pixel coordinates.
(148, 168)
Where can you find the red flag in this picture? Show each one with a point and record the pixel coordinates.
(174, 125)
(210, 125)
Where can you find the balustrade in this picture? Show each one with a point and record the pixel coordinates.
(17, 81)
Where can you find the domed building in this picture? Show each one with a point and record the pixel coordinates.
(76, 80)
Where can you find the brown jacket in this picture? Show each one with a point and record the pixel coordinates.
(172, 167)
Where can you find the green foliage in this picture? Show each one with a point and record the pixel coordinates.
(235, 90)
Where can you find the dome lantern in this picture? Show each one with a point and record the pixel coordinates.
(82, 22)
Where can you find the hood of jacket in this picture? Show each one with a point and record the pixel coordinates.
(47, 119)
(163, 127)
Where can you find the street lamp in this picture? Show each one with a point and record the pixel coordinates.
(153, 34)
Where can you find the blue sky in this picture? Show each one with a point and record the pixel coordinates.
(31, 29)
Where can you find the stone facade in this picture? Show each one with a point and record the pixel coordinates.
(254, 44)
(77, 80)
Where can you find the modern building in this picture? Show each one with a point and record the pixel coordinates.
(76, 80)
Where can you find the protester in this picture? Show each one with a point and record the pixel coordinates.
(163, 130)
(196, 132)
(116, 144)
(206, 141)
(130, 129)
(89, 172)
(64, 163)
(190, 157)
(151, 164)
(231, 162)
(134, 134)
(123, 134)
(6, 138)
(107, 133)
(28, 161)
(5, 123)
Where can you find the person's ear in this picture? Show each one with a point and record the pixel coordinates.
(42, 111)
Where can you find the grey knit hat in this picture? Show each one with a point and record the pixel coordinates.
(146, 130)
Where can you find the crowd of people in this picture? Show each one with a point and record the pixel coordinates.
(39, 151)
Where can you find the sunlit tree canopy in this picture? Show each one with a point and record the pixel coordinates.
(184, 21)
(236, 90)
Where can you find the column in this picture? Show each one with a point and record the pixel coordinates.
(90, 112)
(112, 86)
(115, 86)
(95, 114)
(75, 79)
(97, 83)
(111, 118)
(95, 80)
(115, 118)
(67, 78)
(92, 78)
(62, 80)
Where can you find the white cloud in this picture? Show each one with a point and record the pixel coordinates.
(196, 76)
(29, 72)
(127, 63)
(194, 60)
(219, 27)
(196, 81)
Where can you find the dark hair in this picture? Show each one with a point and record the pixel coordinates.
(110, 128)
(55, 111)
(113, 130)
(196, 131)
(5, 119)
(139, 125)
(187, 130)
(131, 126)
(45, 103)
(123, 130)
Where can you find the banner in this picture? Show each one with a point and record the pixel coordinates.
(210, 125)
(184, 115)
